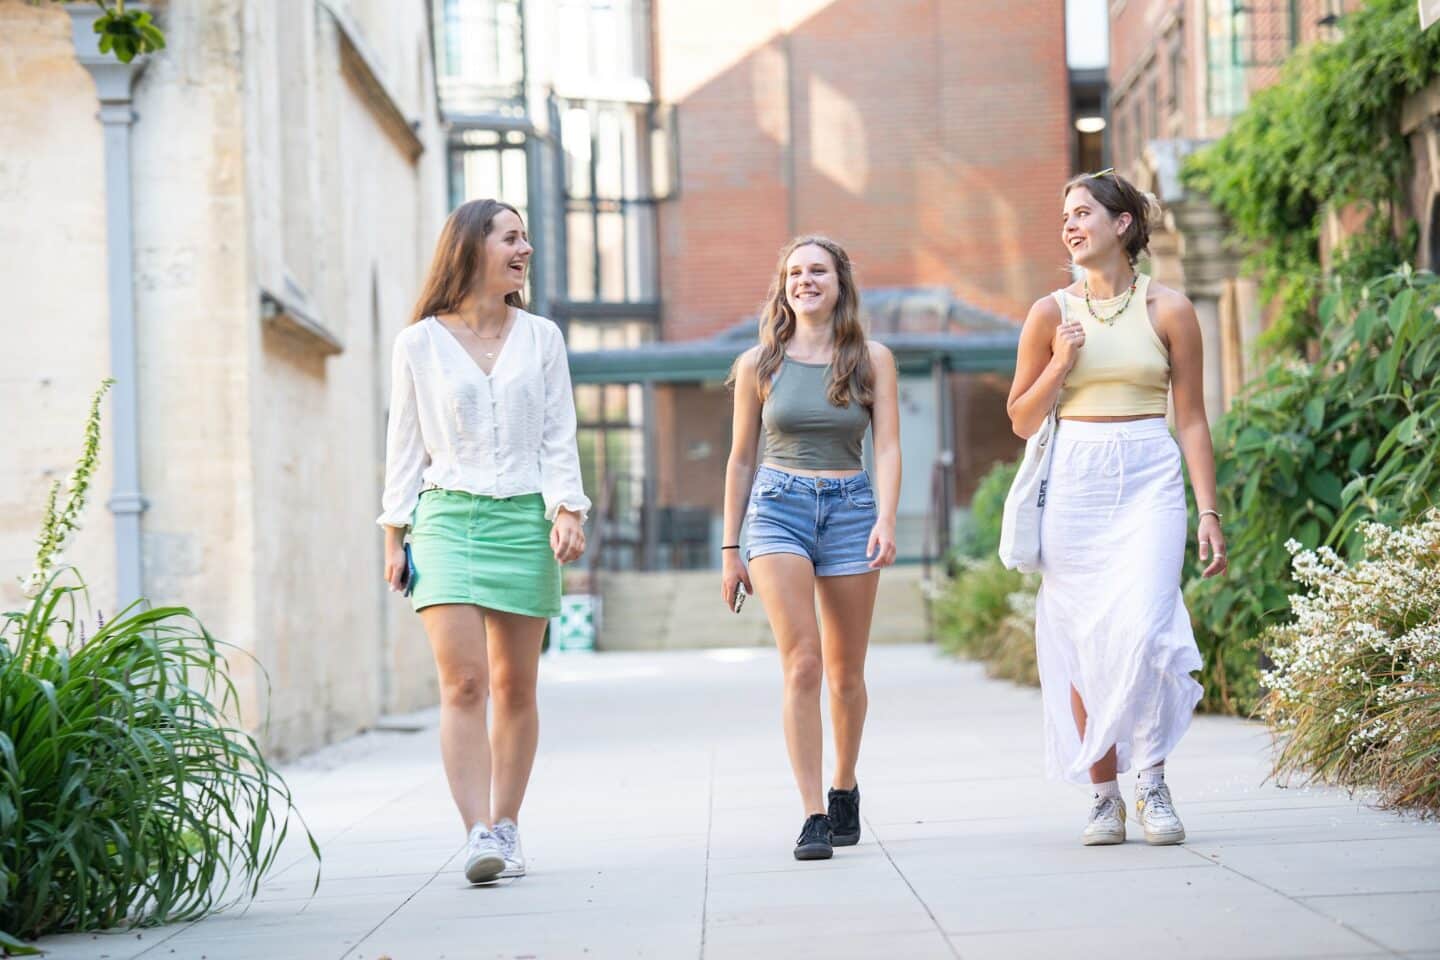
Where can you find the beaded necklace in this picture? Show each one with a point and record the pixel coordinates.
(1130, 293)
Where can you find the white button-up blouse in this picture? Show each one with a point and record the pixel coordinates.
(505, 434)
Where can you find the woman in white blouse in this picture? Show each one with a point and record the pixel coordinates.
(481, 467)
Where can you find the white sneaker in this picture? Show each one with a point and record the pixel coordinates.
(1107, 822)
(484, 859)
(509, 836)
(1157, 815)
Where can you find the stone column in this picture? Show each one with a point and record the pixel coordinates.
(1209, 265)
(114, 83)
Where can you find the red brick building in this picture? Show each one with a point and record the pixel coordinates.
(929, 137)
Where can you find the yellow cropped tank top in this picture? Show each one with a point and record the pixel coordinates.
(1123, 369)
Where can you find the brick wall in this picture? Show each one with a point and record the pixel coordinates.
(929, 137)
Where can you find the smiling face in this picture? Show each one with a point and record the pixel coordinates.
(507, 254)
(1089, 231)
(812, 284)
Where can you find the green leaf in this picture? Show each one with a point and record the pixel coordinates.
(18, 948)
(1315, 413)
(1352, 489)
(1309, 533)
(1326, 487)
(1400, 309)
(1359, 455)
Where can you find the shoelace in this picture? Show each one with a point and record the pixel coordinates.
(1103, 806)
(505, 833)
(813, 830)
(1157, 800)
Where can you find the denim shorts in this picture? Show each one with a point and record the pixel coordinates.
(828, 521)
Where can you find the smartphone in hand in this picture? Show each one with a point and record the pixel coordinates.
(738, 601)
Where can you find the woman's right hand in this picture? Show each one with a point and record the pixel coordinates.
(733, 574)
(1069, 338)
(395, 566)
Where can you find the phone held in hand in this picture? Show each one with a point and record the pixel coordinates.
(738, 601)
(407, 575)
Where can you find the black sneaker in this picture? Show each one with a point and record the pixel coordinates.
(814, 840)
(845, 816)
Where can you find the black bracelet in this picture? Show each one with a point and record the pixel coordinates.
(731, 546)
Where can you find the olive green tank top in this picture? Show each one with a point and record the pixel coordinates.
(803, 429)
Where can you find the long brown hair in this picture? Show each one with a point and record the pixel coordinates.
(851, 377)
(459, 254)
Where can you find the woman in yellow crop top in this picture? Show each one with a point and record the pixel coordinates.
(1112, 635)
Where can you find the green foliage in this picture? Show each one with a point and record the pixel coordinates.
(987, 613)
(1311, 450)
(980, 536)
(126, 796)
(126, 33)
(1326, 135)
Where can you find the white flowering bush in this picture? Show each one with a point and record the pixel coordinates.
(1354, 690)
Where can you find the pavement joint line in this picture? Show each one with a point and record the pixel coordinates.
(386, 919)
(709, 829)
(880, 842)
(1295, 900)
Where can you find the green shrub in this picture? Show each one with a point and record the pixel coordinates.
(980, 536)
(987, 613)
(1355, 688)
(1327, 135)
(1309, 451)
(126, 796)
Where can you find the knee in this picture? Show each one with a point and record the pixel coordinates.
(803, 672)
(847, 684)
(512, 693)
(463, 688)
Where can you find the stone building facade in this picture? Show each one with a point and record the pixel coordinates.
(283, 164)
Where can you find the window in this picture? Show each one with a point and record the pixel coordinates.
(480, 55)
(609, 204)
(602, 41)
(1152, 106)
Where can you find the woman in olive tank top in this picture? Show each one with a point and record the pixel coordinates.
(1112, 637)
(815, 526)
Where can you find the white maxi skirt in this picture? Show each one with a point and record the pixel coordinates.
(1109, 618)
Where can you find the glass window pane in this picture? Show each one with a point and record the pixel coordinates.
(640, 252)
(612, 256)
(609, 159)
(575, 134)
(482, 174)
(617, 403)
(580, 244)
(514, 183)
(587, 401)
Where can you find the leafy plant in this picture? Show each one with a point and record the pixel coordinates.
(126, 795)
(1355, 689)
(1311, 450)
(1326, 136)
(125, 33)
(987, 613)
(980, 536)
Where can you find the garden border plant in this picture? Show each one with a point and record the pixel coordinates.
(127, 795)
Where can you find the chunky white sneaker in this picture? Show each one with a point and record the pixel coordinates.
(1107, 822)
(484, 860)
(1157, 815)
(509, 836)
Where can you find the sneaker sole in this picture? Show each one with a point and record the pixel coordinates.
(485, 869)
(1165, 839)
(845, 840)
(512, 873)
(814, 851)
(1103, 839)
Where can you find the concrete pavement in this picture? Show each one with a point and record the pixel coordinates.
(662, 812)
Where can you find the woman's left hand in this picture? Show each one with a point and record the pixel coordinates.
(567, 536)
(1212, 547)
(881, 548)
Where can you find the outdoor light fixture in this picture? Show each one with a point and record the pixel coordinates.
(1089, 124)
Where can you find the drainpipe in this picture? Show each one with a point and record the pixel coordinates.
(114, 82)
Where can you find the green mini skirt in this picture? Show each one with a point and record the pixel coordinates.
(488, 551)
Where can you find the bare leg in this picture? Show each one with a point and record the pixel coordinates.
(1103, 770)
(457, 638)
(786, 584)
(514, 668)
(847, 605)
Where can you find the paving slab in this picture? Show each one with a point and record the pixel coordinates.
(662, 813)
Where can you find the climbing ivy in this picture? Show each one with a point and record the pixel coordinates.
(1326, 135)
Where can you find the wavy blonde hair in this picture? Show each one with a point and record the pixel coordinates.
(459, 254)
(851, 376)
